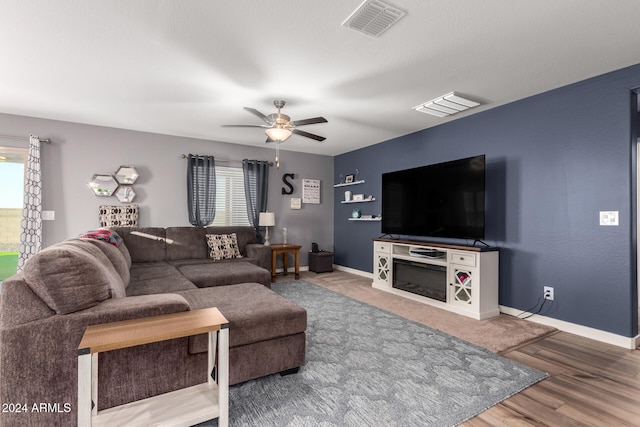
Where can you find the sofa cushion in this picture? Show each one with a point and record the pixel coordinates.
(187, 242)
(182, 262)
(116, 257)
(122, 247)
(145, 244)
(156, 278)
(72, 276)
(254, 312)
(223, 246)
(221, 273)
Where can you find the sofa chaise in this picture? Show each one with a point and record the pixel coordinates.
(133, 273)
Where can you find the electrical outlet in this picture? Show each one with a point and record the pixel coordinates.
(548, 293)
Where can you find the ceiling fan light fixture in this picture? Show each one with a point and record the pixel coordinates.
(278, 133)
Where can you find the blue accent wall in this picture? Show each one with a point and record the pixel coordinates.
(554, 161)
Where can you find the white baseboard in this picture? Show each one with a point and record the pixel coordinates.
(583, 331)
(353, 271)
(573, 328)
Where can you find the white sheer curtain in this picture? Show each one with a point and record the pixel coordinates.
(31, 226)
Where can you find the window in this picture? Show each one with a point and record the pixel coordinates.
(12, 167)
(231, 206)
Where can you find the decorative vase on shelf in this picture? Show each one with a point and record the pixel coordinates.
(356, 213)
(347, 196)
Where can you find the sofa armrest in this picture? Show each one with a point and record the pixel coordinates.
(261, 253)
(39, 360)
(114, 310)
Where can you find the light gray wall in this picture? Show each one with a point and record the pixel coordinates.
(78, 151)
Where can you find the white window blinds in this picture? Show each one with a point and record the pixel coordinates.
(231, 206)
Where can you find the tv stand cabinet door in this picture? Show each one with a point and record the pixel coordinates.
(382, 263)
(463, 286)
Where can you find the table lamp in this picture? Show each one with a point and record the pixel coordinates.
(267, 219)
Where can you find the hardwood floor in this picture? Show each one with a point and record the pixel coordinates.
(590, 383)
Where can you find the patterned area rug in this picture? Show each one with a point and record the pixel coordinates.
(368, 367)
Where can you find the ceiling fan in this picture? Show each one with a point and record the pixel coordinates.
(279, 127)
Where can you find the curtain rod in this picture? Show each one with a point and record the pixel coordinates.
(184, 156)
(45, 140)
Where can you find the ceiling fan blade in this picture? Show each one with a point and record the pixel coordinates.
(310, 121)
(309, 135)
(259, 115)
(246, 126)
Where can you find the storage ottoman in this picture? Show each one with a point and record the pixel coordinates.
(321, 262)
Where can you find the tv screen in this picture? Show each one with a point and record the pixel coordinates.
(441, 200)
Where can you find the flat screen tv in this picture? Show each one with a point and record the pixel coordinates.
(442, 200)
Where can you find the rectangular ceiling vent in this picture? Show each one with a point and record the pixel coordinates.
(446, 105)
(373, 17)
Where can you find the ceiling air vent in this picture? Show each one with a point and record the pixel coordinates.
(373, 17)
(446, 105)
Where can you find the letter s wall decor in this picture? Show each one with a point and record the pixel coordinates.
(287, 183)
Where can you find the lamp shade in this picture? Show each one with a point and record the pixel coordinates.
(267, 219)
(278, 133)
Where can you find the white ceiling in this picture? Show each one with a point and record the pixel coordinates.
(187, 67)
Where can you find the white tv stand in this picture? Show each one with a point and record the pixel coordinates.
(471, 274)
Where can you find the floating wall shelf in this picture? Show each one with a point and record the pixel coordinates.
(349, 183)
(358, 201)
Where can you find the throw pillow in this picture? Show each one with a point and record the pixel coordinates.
(118, 216)
(223, 246)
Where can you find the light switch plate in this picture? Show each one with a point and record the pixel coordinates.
(48, 215)
(608, 217)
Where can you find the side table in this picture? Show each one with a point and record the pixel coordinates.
(188, 406)
(286, 249)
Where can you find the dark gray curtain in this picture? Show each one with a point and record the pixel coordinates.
(256, 185)
(201, 189)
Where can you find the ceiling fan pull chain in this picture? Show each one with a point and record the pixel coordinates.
(277, 154)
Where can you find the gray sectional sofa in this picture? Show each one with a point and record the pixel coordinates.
(80, 282)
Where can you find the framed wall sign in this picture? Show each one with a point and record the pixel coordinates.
(296, 203)
(311, 191)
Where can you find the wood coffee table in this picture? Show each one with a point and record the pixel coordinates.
(286, 249)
